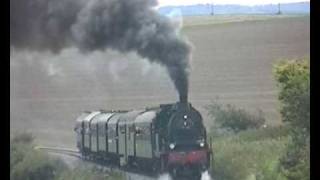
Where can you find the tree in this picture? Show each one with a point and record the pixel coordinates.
(293, 79)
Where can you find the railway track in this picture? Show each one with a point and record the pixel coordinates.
(129, 174)
(72, 158)
(71, 152)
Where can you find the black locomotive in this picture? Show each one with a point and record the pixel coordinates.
(169, 138)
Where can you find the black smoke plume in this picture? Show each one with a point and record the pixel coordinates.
(90, 25)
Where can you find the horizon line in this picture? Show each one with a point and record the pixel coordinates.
(239, 4)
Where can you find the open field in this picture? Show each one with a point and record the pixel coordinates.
(231, 61)
(222, 19)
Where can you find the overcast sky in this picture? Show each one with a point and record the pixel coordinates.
(242, 2)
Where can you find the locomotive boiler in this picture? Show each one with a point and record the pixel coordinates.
(168, 138)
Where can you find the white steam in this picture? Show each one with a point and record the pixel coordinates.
(164, 177)
(206, 176)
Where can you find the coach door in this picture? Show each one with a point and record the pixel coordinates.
(79, 129)
(122, 142)
(87, 130)
(112, 131)
(143, 139)
(126, 139)
(102, 131)
(131, 132)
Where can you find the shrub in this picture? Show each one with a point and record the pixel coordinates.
(24, 137)
(293, 79)
(270, 132)
(20, 146)
(36, 166)
(88, 172)
(242, 157)
(232, 118)
(29, 164)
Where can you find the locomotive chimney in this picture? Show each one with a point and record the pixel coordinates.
(183, 99)
(183, 104)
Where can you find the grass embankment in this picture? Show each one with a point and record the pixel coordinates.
(251, 154)
(26, 163)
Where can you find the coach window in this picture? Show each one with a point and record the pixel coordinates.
(122, 129)
(138, 131)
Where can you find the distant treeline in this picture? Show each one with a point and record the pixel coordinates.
(207, 9)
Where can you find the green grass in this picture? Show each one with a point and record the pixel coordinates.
(86, 173)
(251, 154)
(26, 163)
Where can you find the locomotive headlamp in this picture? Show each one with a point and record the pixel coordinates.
(171, 146)
(185, 120)
(201, 143)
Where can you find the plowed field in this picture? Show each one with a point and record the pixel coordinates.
(231, 61)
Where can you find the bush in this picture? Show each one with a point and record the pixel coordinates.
(270, 132)
(24, 137)
(250, 154)
(37, 166)
(29, 164)
(88, 172)
(295, 164)
(20, 146)
(243, 156)
(293, 79)
(232, 118)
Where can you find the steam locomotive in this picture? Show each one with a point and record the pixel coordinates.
(168, 138)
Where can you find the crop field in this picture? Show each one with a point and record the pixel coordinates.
(232, 61)
(222, 19)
